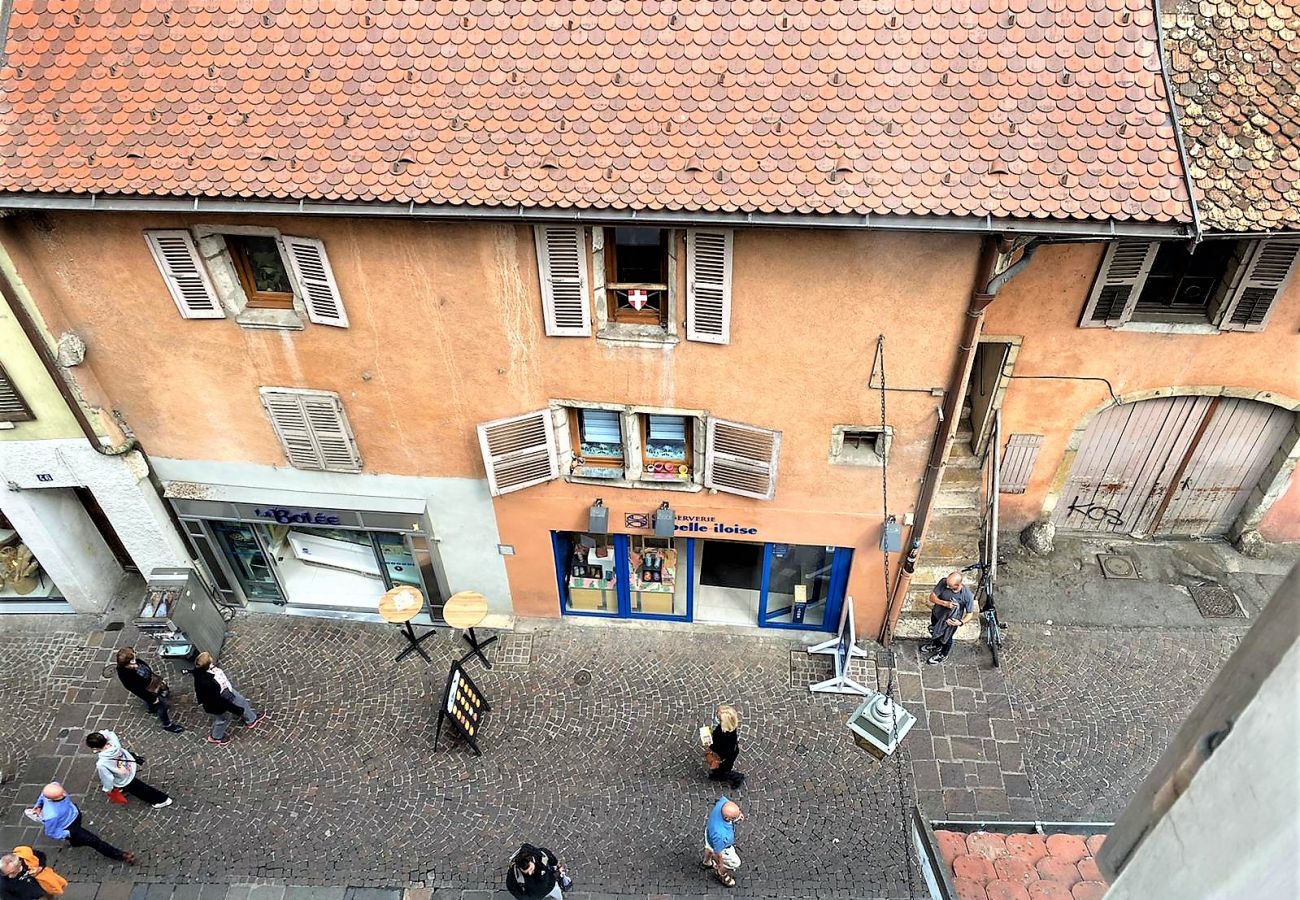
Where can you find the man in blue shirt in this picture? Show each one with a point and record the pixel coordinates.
(720, 840)
(61, 820)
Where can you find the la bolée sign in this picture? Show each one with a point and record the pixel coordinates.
(692, 525)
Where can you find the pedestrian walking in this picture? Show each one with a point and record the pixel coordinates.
(218, 697)
(952, 605)
(724, 746)
(119, 770)
(61, 820)
(536, 872)
(138, 678)
(720, 841)
(25, 868)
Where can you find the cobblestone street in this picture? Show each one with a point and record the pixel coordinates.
(343, 787)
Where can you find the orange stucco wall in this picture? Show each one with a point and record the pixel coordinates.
(446, 332)
(1044, 303)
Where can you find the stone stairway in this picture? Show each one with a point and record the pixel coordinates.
(953, 540)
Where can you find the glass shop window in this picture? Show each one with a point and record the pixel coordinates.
(592, 578)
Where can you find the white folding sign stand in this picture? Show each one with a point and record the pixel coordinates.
(843, 648)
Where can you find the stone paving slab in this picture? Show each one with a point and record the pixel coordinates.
(343, 790)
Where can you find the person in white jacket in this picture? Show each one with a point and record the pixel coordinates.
(117, 768)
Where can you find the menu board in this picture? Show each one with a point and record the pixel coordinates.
(463, 705)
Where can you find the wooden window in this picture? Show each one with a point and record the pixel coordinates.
(562, 271)
(1179, 284)
(636, 275)
(708, 285)
(313, 429)
(13, 408)
(1018, 463)
(519, 451)
(598, 443)
(182, 270)
(667, 452)
(261, 269)
(741, 459)
(1265, 271)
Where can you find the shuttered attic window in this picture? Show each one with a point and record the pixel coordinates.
(13, 408)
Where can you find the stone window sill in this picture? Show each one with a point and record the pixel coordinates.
(1169, 327)
(687, 487)
(650, 336)
(270, 318)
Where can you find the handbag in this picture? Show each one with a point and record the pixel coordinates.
(156, 684)
(711, 759)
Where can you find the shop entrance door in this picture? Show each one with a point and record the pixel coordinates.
(248, 561)
(805, 586)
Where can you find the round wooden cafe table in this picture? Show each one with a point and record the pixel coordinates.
(462, 612)
(399, 606)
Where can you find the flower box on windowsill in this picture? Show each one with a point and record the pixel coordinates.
(606, 472)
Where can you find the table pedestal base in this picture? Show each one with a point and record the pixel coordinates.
(476, 648)
(409, 633)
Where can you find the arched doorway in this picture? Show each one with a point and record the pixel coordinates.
(1179, 466)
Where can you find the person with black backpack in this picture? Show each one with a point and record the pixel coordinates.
(536, 872)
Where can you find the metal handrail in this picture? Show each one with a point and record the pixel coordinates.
(992, 485)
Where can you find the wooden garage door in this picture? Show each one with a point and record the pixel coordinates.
(1170, 466)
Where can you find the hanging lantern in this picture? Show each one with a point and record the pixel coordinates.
(879, 724)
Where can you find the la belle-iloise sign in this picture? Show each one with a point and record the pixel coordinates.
(691, 524)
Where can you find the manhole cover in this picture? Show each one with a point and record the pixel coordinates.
(1118, 565)
(1216, 602)
(582, 677)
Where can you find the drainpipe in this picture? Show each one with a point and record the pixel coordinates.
(988, 281)
(56, 373)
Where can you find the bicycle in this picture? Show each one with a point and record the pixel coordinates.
(991, 627)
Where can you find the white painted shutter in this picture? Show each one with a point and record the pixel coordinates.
(708, 285)
(1268, 266)
(562, 270)
(519, 452)
(741, 459)
(313, 429)
(182, 269)
(320, 293)
(1120, 278)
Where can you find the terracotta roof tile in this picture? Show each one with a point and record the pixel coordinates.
(1022, 108)
(1235, 68)
(1052, 867)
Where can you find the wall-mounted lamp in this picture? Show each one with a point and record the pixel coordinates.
(665, 521)
(891, 539)
(598, 518)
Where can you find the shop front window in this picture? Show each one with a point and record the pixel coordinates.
(591, 576)
(798, 585)
(655, 566)
(247, 560)
(398, 561)
(667, 441)
(328, 567)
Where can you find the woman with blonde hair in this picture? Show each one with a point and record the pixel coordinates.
(724, 744)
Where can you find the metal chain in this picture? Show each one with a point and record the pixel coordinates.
(889, 685)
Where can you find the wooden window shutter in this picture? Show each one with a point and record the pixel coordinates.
(313, 429)
(320, 293)
(13, 408)
(562, 270)
(1018, 462)
(1268, 266)
(182, 270)
(741, 459)
(519, 452)
(1120, 278)
(708, 285)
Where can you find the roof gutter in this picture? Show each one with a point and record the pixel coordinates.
(1198, 233)
(1097, 230)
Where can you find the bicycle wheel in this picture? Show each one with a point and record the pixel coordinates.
(993, 648)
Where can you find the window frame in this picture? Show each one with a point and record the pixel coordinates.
(219, 259)
(596, 462)
(654, 334)
(619, 316)
(844, 455)
(631, 417)
(254, 297)
(647, 459)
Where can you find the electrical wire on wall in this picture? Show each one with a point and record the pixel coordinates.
(1111, 390)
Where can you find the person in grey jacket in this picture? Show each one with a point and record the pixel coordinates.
(117, 769)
